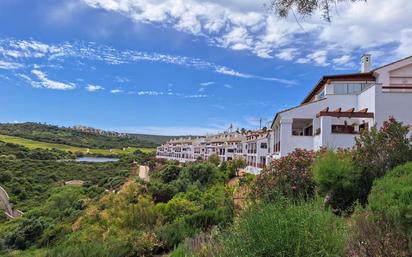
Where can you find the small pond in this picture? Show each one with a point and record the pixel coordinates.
(96, 159)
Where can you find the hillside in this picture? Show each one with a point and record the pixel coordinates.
(33, 144)
(79, 138)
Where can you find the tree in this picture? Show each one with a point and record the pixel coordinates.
(305, 8)
(214, 158)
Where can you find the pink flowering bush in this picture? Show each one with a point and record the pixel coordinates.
(288, 177)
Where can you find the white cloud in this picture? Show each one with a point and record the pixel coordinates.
(94, 88)
(245, 25)
(207, 83)
(10, 65)
(287, 54)
(91, 51)
(196, 96)
(318, 57)
(149, 93)
(228, 86)
(44, 82)
(405, 48)
(344, 61)
(116, 91)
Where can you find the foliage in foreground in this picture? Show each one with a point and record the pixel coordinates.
(288, 177)
(279, 229)
(384, 228)
(338, 179)
(378, 151)
(391, 198)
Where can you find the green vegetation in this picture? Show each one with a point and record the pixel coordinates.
(71, 137)
(189, 210)
(278, 229)
(288, 177)
(391, 198)
(31, 144)
(338, 179)
(284, 218)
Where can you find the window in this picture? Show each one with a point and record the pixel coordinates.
(354, 88)
(263, 145)
(343, 129)
(350, 89)
(340, 89)
(321, 95)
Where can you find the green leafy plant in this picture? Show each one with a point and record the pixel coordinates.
(289, 177)
(337, 179)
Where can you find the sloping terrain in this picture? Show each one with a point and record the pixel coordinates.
(85, 139)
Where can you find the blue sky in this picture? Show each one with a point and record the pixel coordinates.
(179, 66)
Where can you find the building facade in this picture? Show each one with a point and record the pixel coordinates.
(334, 112)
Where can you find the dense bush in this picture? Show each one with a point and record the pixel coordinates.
(280, 229)
(378, 151)
(289, 177)
(214, 158)
(391, 198)
(170, 173)
(202, 173)
(337, 179)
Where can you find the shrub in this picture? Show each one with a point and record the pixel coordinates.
(338, 179)
(91, 249)
(284, 229)
(234, 165)
(171, 235)
(380, 238)
(161, 192)
(288, 177)
(391, 198)
(378, 151)
(170, 173)
(202, 173)
(214, 158)
(27, 233)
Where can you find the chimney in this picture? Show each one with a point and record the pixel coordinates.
(366, 63)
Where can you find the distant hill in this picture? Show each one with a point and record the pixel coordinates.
(80, 136)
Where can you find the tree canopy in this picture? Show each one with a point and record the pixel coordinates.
(305, 8)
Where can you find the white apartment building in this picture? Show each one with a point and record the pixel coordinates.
(340, 106)
(225, 145)
(334, 112)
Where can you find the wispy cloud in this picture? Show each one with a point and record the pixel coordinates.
(205, 84)
(94, 88)
(10, 65)
(116, 91)
(17, 50)
(245, 26)
(196, 96)
(42, 81)
(149, 93)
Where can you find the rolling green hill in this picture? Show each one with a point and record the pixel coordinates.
(91, 138)
(33, 144)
